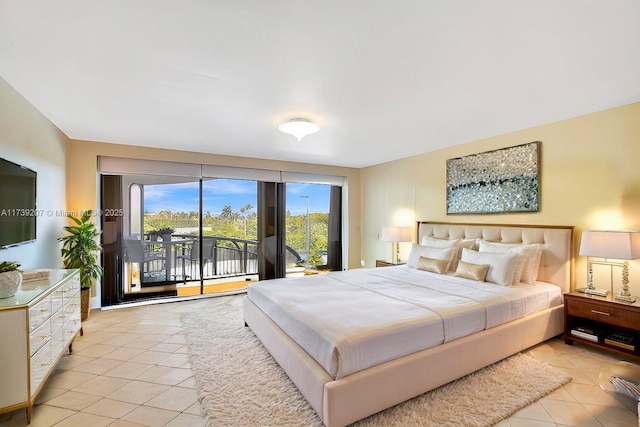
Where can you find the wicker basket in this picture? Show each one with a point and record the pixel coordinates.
(85, 298)
(10, 281)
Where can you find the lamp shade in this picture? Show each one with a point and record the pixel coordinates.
(610, 244)
(396, 234)
(299, 128)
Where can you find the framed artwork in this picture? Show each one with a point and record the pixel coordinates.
(499, 181)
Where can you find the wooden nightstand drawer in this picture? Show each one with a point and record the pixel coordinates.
(602, 311)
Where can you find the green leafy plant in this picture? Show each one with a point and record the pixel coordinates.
(80, 247)
(9, 266)
(165, 230)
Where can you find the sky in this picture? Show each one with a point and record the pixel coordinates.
(217, 193)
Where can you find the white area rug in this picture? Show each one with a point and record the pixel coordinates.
(240, 384)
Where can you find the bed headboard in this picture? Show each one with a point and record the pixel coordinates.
(556, 265)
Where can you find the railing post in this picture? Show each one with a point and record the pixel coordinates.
(215, 256)
(245, 256)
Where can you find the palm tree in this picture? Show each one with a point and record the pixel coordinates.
(244, 209)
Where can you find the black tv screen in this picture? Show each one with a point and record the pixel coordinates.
(17, 204)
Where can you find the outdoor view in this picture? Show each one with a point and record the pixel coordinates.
(229, 210)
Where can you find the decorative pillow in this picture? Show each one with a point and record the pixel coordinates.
(502, 267)
(428, 252)
(433, 265)
(472, 271)
(530, 257)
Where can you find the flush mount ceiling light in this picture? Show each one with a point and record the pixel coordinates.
(299, 128)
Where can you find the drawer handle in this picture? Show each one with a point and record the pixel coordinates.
(600, 312)
(43, 310)
(44, 337)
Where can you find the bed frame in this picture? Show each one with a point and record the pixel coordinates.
(349, 399)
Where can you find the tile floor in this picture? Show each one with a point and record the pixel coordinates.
(131, 369)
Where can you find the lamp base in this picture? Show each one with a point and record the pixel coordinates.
(594, 291)
(625, 298)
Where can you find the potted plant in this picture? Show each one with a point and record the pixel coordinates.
(79, 250)
(153, 235)
(10, 278)
(166, 233)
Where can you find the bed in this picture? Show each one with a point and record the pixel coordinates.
(382, 336)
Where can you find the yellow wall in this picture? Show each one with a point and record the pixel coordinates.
(30, 139)
(590, 178)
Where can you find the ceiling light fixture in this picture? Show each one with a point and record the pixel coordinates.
(299, 128)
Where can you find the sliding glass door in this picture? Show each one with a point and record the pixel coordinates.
(163, 223)
(307, 230)
(192, 235)
(224, 258)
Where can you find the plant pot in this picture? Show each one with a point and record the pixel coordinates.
(166, 237)
(10, 281)
(85, 298)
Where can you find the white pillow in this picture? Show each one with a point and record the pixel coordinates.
(502, 267)
(530, 253)
(428, 252)
(443, 243)
(439, 243)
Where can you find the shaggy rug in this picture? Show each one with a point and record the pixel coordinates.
(240, 384)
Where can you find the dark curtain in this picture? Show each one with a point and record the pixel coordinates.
(111, 201)
(271, 229)
(334, 244)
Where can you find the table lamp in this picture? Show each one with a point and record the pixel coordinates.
(396, 235)
(617, 245)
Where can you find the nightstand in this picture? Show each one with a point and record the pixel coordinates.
(592, 319)
(383, 263)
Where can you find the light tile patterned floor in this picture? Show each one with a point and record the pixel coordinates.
(131, 369)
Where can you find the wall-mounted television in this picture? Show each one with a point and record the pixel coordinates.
(17, 204)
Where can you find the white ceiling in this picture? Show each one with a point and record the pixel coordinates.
(384, 79)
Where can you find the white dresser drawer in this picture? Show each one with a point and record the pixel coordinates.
(57, 300)
(57, 320)
(40, 365)
(71, 328)
(57, 343)
(39, 313)
(40, 336)
(71, 288)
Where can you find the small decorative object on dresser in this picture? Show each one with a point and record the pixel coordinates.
(10, 278)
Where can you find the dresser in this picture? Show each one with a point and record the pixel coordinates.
(36, 327)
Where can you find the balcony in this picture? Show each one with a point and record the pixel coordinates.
(185, 260)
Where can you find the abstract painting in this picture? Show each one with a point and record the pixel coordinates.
(499, 181)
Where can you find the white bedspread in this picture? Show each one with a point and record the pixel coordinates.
(351, 320)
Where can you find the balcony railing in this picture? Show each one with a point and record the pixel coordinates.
(186, 258)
